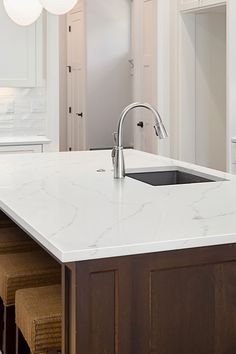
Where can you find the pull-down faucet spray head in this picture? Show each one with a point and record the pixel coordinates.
(117, 152)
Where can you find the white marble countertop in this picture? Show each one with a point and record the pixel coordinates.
(78, 213)
(24, 140)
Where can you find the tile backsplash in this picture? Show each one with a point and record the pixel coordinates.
(22, 111)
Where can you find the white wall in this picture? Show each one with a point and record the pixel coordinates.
(202, 88)
(163, 100)
(165, 71)
(108, 70)
(210, 113)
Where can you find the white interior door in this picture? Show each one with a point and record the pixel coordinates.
(76, 91)
(146, 63)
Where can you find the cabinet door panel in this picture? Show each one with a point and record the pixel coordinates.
(177, 302)
(18, 53)
(195, 4)
(20, 149)
(188, 4)
(212, 2)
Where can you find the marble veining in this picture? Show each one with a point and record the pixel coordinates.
(78, 213)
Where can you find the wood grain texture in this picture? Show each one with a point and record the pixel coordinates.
(179, 302)
(103, 312)
(103, 308)
(182, 308)
(225, 319)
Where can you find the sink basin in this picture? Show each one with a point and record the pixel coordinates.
(176, 176)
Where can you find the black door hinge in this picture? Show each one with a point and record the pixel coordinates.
(70, 149)
(69, 28)
(69, 68)
(70, 110)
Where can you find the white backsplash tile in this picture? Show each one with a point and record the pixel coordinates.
(7, 105)
(22, 111)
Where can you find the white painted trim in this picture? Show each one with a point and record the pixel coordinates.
(53, 81)
(21, 149)
(63, 82)
(231, 81)
(24, 140)
(174, 78)
(187, 92)
(41, 40)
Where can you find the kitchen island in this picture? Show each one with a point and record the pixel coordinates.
(146, 269)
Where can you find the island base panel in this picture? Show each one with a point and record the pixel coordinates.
(178, 302)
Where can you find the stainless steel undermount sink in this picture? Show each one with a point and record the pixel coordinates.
(172, 177)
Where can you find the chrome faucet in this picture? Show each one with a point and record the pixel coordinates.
(117, 152)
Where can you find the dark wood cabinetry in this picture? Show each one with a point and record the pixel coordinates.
(180, 302)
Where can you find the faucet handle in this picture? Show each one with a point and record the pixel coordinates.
(113, 152)
(115, 134)
(113, 155)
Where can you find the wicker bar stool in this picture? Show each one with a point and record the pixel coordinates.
(12, 240)
(38, 320)
(18, 271)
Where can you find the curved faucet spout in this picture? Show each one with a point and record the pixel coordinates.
(158, 127)
(117, 153)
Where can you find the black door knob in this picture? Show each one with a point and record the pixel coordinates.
(80, 114)
(140, 124)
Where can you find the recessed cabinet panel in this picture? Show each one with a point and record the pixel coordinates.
(212, 2)
(189, 4)
(186, 5)
(177, 302)
(20, 149)
(18, 53)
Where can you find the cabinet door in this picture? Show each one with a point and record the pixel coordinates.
(20, 149)
(18, 53)
(189, 4)
(212, 2)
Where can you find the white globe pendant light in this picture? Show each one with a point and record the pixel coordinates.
(23, 12)
(58, 7)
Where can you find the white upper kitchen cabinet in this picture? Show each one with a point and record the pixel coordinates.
(18, 60)
(212, 2)
(189, 4)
